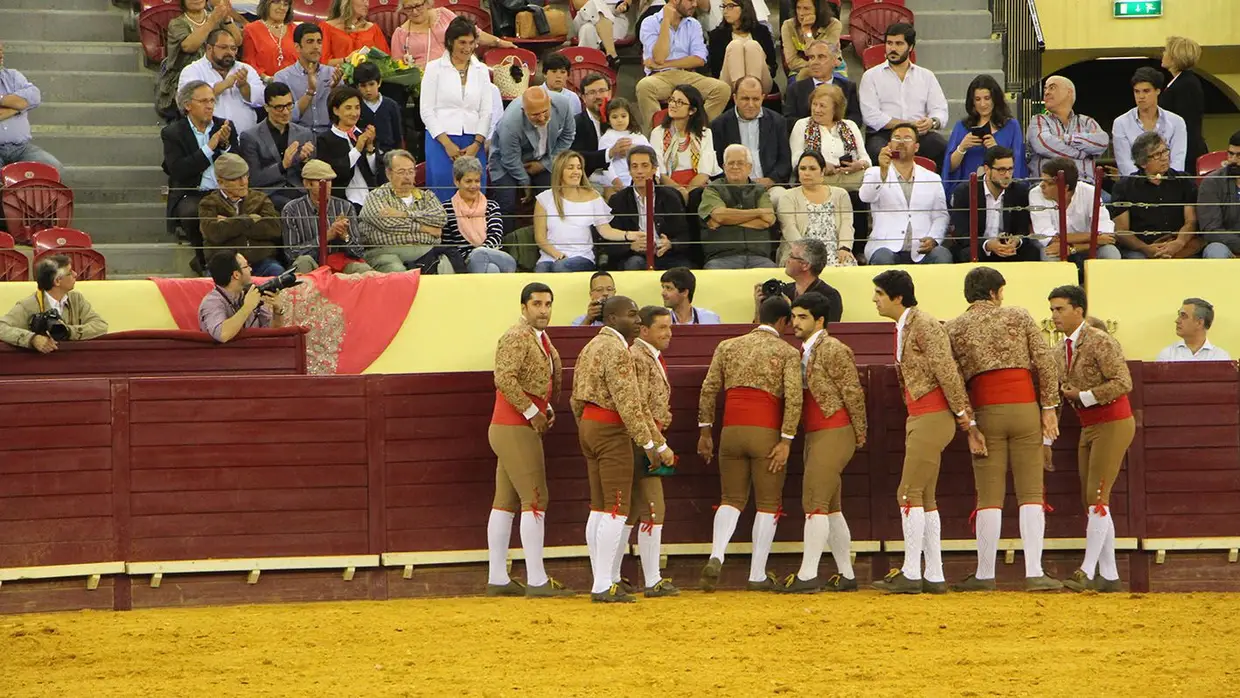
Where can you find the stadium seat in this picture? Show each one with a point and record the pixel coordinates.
(419, 175)
(35, 204)
(87, 262)
(148, 4)
(455, 4)
(481, 17)
(496, 55)
(14, 266)
(926, 163)
(153, 30)
(388, 17)
(862, 3)
(312, 10)
(585, 61)
(867, 25)
(657, 118)
(1205, 164)
(21, 171)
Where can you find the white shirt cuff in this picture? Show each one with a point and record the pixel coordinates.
(1088, 399)
(960, 413)
(1051, 407)
(704, 425)
(530, 412)
(354, 156)
(661, 448)
(1048, 442)
(206, 150)
(790, 437)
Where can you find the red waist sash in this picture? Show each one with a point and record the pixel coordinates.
(504, 413)
(1004, 386)
(815, 420)
(1101, 414)
(594, 413)
(750, 407)
(933, 401)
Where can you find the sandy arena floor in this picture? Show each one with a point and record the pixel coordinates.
(728, 644)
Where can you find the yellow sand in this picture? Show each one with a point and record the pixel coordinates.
(728, 644)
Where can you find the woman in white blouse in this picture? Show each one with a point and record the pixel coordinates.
(817, 211)
(456, 107)
(838, 139)
(564, 215)
(684, 144)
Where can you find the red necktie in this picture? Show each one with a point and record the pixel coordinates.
(546, 344)
(663, 364)
(1069, 353)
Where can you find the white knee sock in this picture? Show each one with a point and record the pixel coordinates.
(621, 549)
(1106, 561)
(607, 542)
(591, 534)
(817, 528)
(914, 524)
(933, 550)
(725, 525)
(649, 538)
(499, 534)
(840, 539)
(1032, 532)
(989, 522)
(763, 536)
(1095, 538)
(532, 531)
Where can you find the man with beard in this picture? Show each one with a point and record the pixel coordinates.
(237, 87)
(1217, 210)
(1003, 223)
(898, 91)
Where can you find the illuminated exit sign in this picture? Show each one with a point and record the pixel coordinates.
(1124, 9)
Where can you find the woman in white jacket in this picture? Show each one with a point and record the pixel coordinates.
(456, 107)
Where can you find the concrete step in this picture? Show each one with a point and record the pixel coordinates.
(135, 87)
(93, 56)
(141, 261)
(122, 223)
(920, 6)
(110, 145)
(980, 54)
(97, 114)
(76, 5)
(60, 26)
(955, 83)
(972, 24)
(108, 184)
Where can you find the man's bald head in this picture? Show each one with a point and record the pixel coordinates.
(620, 314)
(536, 103)
(1058, 93)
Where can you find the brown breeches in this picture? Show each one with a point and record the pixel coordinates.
(744, 460)
(827, 452)
(1099, 457)
(647, 493)
(521, 473)
(925, 437)
(609, 465)
(1013, 435)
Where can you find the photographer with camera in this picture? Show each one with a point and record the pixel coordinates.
(236, 303)
(602, 287)
(55, 313)
(806, 260)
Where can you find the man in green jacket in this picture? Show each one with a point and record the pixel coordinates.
(55, 278)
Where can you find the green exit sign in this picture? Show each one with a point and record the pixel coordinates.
(1124, 9)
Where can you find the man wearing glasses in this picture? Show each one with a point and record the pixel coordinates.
(1155, 216)
(1003, 223)
(822, 57)
(1217, 209)
(591, 123)
(237, 86)
(908, 205)
(55, 279)
(673, 47)
(276, 149)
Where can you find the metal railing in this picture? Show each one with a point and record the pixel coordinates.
(1016, 21)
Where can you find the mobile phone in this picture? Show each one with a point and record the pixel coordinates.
(980, 131)
(895, 155)
(845, 160)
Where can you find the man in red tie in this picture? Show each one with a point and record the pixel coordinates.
(1096, 381)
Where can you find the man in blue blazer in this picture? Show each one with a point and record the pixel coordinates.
(535, 128)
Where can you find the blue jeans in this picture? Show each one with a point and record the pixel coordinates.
(27, 152)
(884, 257)
(486, 260)
(740, 261)
(564, 265)
(1216, 250)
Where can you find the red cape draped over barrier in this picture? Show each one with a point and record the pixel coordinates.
(351, 318)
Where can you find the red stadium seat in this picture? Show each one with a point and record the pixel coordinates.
(454, 5)
(312, 10)
(863, 3)
(496, 56)
(481, 17)
(14, 266)
(867, 25)
(22, 171)
(34, 204)
(87, 262)
(657, 118)
(148, 4)
(419, 175)
(153, 30)
(1205, 164)
(582, 62)
(926, 163)
(875, 55)
(61, 238)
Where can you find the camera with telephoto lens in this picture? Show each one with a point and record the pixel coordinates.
(772, 288)
(49, 324)
(278, 283)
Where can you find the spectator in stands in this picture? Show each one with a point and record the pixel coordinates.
(621, 126)
(276, 149)
(817, 211)
(629, 206)
(535, 129)
(475, 224)
(1147, 84)
(672, 49)
(815, 20)
(555, 79)
(715, 13)
(239, 218)
(347, 30)
(602, 23)
(381, 111)
(300, 220)
(1003, 223)
(186, 41)
(55, 278)
(564, 214)
(1062, 133)
(797, 101)
(310, 81)
(908, 204)
(1218, 203)
(350, 151)
(17, 97)
(759, 129)
(827, 132)
(1044, 214)
(191, 147)
(268, 43)
(235, 303)
(420, 39)
(602, 287)
(897, 91)
(804, 266)
(455, 106)
(737, 216)
(987, 115)
(238, 89)
(401, 224)
(591, 123)
(1154, 209)
(685, 145)
(1184, 96)
(741, 47)
(678, 286)
(1191, 325)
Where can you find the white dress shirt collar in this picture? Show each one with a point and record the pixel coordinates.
(770, 329)
(50, 303)
(617, 333)
(809, 343)
(900, 333)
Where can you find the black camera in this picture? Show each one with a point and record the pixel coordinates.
(278, 283)
(772, 288)
(50, 324)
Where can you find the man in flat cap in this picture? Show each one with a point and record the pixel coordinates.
(301, 226)
(234, 217)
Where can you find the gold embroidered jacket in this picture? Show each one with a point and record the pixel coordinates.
(989, 337)
(760, 359)
(831, 376)
(605, 376)
(656, 390)
(1097, 365)
(521, 366)
(926, 361)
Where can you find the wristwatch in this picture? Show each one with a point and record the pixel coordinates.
(937, 124)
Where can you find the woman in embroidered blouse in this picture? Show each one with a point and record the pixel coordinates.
(455, 105)
(420, 39)
(816, 210)
(475, 224)
(985, 109)
(826, 131)
(684, 144)
(813, 20)
(346, 30)
(268, 43)
(740, 46)
(564, 214)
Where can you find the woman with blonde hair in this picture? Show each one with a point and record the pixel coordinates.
(1183, 96)
(347, 30)
(837, 139)
(817, 211)
(565, 214)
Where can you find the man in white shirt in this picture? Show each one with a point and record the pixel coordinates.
(1191, 325)
(899, 92)
(910, 214)
(237, 87)
(1043, 201)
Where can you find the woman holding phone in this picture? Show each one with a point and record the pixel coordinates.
(988, 122)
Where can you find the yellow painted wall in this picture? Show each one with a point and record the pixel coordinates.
(126, 305)
(1088, 24)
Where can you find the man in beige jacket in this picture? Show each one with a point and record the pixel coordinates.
(55, 278)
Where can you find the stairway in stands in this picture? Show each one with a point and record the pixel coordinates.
(97, 118)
